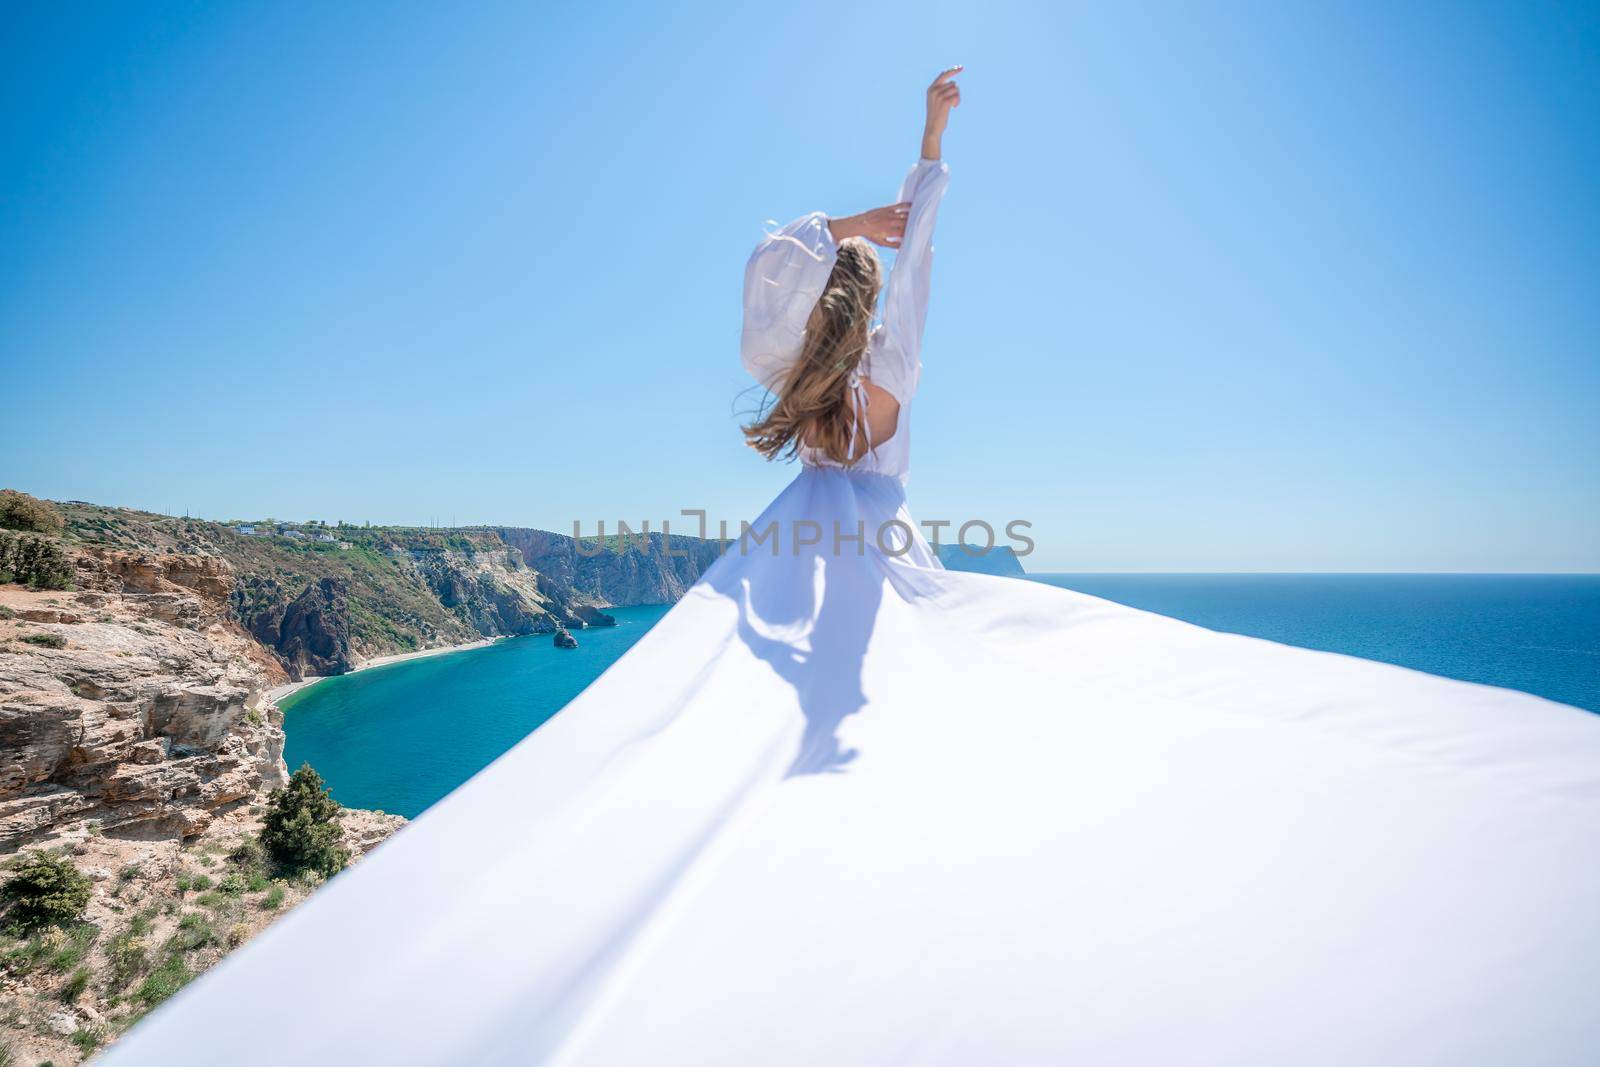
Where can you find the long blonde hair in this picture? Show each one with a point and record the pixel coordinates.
(813, 403)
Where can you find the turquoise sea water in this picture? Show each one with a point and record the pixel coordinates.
(1536, 632)
(402, 736)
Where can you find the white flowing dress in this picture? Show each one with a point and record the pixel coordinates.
(846, 807)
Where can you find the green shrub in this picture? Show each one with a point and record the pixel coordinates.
(232, 885)
(128, 958)
(19, 511)
(88, 1038)
(45, 640)
(52, 948)
(23, 958)
(273, 900)
(35, 561)
(45, 888)
(74, 948)
(194, 931)
(165, 980)
(74, 986)
(301, 830)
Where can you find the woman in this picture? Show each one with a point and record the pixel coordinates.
(843, 387)
(1056, 830)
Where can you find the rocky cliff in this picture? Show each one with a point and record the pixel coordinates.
(134, 703)
(161, 912)
(138, 742)
(324, 602)
(138, 737)
(649, 569)
(309, 630)
(135, 700)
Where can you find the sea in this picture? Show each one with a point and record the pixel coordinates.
(401, 736)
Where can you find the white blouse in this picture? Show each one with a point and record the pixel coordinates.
(786, 275)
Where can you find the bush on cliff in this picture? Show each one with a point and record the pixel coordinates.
(19, 511)
(35, 561)
(45, 640)
(301, 828)
(45, 888)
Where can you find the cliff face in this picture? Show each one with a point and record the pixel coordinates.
(138, 743)
(323, 603)
(612, 577)
(134, 722)
(135, 702)
(491, 590)
(309, 631)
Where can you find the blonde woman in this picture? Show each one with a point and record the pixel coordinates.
(844, 386)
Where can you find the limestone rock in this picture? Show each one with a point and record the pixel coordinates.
(643, 572)
(365, 830)
(309, 629)
(146, 721)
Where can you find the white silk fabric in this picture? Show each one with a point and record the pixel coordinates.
(841, 806)
(842, 809)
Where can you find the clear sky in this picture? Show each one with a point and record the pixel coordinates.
(1262, 287)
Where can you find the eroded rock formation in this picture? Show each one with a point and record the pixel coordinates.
(309, 629)
(615, 578)
(139, 709)
(136, 703)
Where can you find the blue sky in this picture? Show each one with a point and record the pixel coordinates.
(1264, 287)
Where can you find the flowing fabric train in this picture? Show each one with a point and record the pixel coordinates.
(850, 808)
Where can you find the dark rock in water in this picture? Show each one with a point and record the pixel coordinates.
(564, 638)
(592, 616)
(999, 560)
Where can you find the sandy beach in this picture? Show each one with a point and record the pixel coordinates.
(277, 693)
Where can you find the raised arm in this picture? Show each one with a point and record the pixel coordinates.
(897, 363)
(788, 270)
(943, 95)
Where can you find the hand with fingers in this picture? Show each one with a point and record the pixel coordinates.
(943, 95)
(883, 226)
